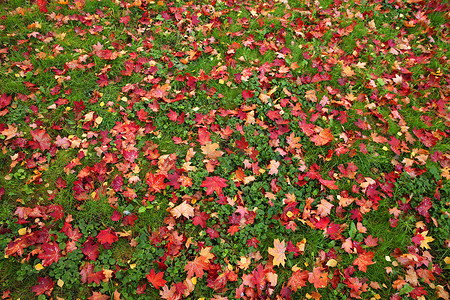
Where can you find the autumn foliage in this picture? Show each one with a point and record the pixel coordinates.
(225, 150)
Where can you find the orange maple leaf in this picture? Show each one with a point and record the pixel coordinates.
(323, 138)
(10, 132)
(319, 279)
(347, 71)
(364, 259)
(196, 267)
(298, 279)
(278, 252)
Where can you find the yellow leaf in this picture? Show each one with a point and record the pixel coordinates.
(22, 231)
(427, 239)
(332, 263)
(38, 267)
(447, 260)
(60, 283)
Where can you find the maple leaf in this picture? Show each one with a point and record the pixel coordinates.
(98, 296)
(184, 210)
(364, 259)
(50, 254)
(96, 277)
(117, 183)
(210, 150)
(155, 183)
(42, 138)
(426, 240)
(311, 96)
(319, 279)
(331, 184)
(107, 236)
(116, 216)
(45, 286)
(324, 208)
(423, 208)
(201, 219)
(347, 245)
(160, 91)
(214, 183)
(273, 167)
(10, 132)
(169, 294)
(426, 275)
(298, 279)
(370, 241)
(42, 6)
(278, 252)
(4, 101)
(323, 138)
(347, 71)
(196, 267)
(130, 155)
(156, 279)
(247, 94)
(90, 250)
(124, 20)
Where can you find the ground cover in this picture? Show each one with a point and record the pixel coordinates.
(224, 149)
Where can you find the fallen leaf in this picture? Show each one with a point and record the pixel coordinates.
(278, 252)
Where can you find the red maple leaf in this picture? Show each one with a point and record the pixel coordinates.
(423, 208)
(196, 267)
(200, 219)
(17, 246)
(117, 183)
(323, 138)
(204, 136)
(417, 239)
(155, 183)
(156, 279)
(90, 249)
(85, 271)
(102, 79)
(298, 279)
(42, 138)
(214, 183)
(124, 20)
(130, 155)
(50, 254)
(247, 94)
(107, 236)
(364, 259)
(96, 277)
(116, 216)
(73, 234)
(172, 115)
(4, 100)
(42, 6)
(45, 286)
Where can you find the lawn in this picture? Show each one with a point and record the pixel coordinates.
(287, 149)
